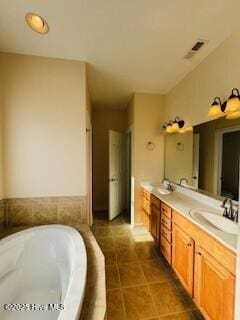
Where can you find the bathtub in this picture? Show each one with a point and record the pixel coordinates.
(42, 270)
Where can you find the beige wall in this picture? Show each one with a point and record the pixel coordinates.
(44, 126)
(104, 119)
(148, 165)
(215, 76)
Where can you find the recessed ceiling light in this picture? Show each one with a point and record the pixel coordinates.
(37, 23)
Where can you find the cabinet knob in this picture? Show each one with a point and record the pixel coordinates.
(189, 244)
(198, 253)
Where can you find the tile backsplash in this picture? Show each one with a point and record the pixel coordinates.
(45, 210)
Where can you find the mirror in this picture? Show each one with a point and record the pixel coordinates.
(206, 159)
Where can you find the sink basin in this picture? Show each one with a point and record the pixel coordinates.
(163, 191)
(215, 220)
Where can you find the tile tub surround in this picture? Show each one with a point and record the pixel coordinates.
(140, 284)
(94, 305)
(45, 210)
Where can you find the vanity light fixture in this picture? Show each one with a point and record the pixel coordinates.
(37, 23)
(230, 108)
(233, 102)
(216, 109)
(173, 126)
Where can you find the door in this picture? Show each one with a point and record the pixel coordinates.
(214, 289)
(117, 173)
(195, 174)
(183, 257)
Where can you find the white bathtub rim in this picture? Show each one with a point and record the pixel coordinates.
(76, 289)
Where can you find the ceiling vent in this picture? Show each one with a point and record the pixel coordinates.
(195, 48)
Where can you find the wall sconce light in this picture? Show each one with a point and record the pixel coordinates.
(216, 109)
(173, 126)
(230, 108)
(233, 103)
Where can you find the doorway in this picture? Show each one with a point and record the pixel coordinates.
(119, 175)
(230, 165)
(228, 149)
(111, 166)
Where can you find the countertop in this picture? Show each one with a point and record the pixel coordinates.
(183, 204)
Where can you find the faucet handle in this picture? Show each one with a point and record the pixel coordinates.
(235, 215)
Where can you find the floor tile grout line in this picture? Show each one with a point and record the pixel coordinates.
(122, 295)
(149, 291)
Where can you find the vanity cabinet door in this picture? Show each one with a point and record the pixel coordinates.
(146, 209)
(214, 287)
(183, 257)
(154, 223)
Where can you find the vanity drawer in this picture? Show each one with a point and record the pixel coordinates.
(166, 222)
(167, 234)
(155, 201)
(166, 249)
(166, 210)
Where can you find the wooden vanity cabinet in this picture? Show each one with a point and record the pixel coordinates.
(214, 289)
(145, 195)
(155, 217)
(183, 257)
(205, 267)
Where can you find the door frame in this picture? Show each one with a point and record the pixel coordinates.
(196, 160)
(89, 168)
(218, 146)
(132, 183)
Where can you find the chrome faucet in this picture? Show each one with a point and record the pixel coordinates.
(229, 212)
(183, 179)
(169, 186)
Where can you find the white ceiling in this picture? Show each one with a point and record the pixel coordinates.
(130, 45)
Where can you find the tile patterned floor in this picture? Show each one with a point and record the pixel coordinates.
(140, 284)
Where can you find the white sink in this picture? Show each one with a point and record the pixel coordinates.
(163, 191)
(215, 220)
